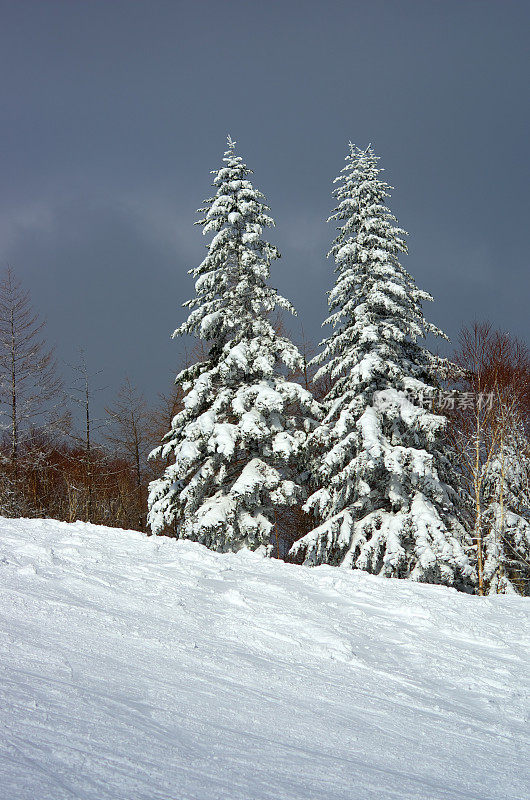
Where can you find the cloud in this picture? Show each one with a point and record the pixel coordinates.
(17, 221)
(109, 276)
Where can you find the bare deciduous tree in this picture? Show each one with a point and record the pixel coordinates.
(493, 376)
(31, 397)
(130, 435)
(83, 396)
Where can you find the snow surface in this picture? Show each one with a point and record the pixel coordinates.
(152, 669)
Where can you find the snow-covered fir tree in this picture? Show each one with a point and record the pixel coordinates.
(506, 516)
(383, 504)
(236, 441)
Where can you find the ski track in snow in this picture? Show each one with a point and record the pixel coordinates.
(136, 668)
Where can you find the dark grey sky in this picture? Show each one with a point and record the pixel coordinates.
(114, 111)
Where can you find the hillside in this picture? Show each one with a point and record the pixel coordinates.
(138, 668)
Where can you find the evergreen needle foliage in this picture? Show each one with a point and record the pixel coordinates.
(234, 445)
(382, 503)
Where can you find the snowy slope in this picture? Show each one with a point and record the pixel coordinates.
(148, 669)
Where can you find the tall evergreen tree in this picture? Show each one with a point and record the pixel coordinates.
(235, 442)
(506, 497)
(383, 503)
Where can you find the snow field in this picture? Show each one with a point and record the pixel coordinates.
(138, 668)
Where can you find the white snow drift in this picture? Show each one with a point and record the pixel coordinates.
(152, 669)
